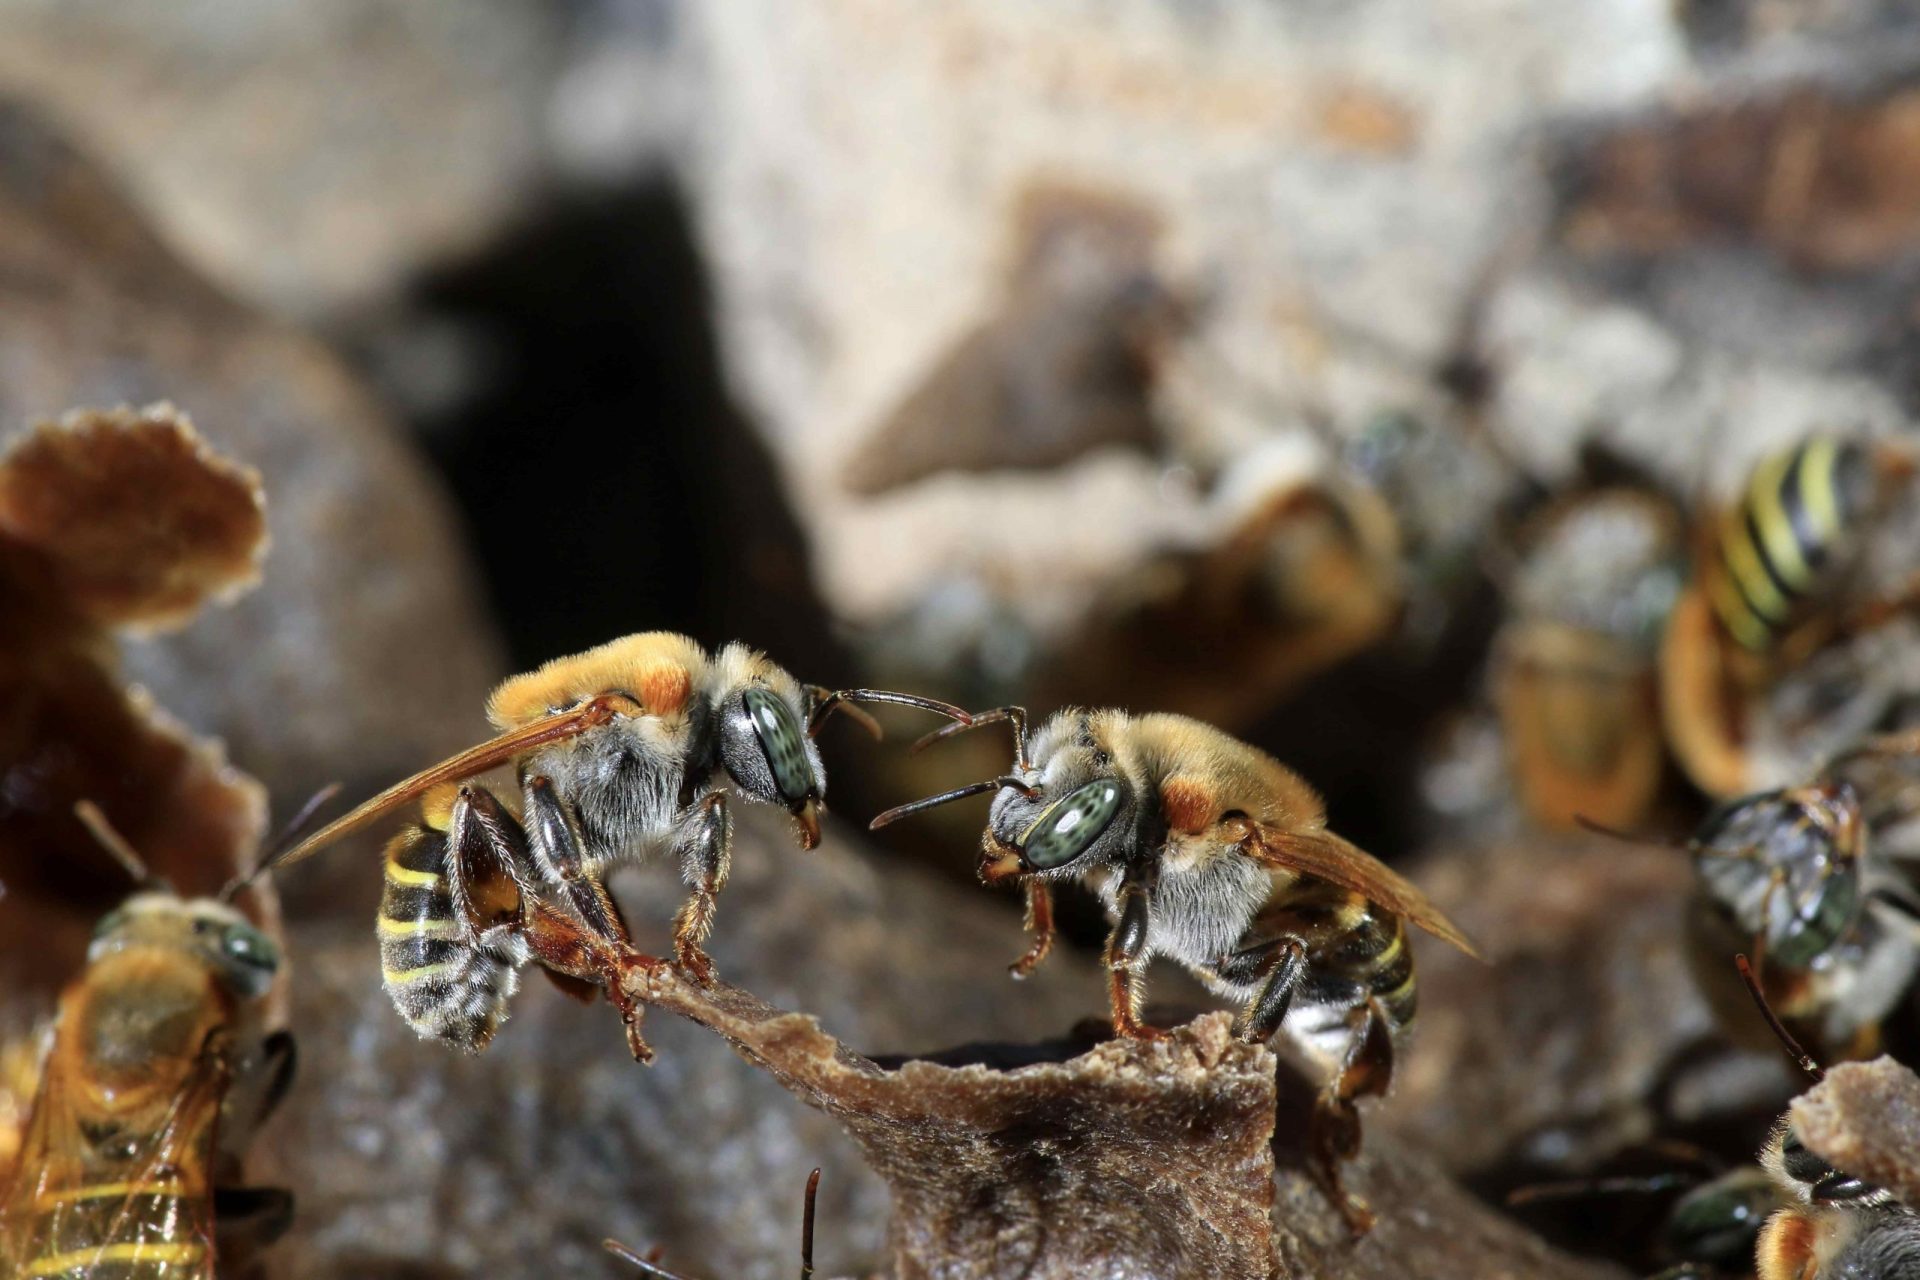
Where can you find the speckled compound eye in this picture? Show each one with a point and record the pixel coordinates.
(780, 741)
(253, 957)
(1718, 1223)
(1070, 826)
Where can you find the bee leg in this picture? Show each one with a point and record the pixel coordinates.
(1039, 924)
(1127, 958)
(706, 855)
(489, 846)
(1278, 966)
(1334, 1133)
(556, 834)
(558, 943)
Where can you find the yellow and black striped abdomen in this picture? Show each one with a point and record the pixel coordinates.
(1778, 547)
(1357, 950)
(121, 1231)
(450, 982)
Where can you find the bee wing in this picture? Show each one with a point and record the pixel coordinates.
(162, 1205)
(1328, 857)
(475, 760)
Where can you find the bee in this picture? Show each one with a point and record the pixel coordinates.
(1210, 852)
(1712, 1229)
(1835, 1226)
(1574, 674)
(623, 751)
(1793, 875)
(1771, 579)
(160, 1067)
(653, 1269)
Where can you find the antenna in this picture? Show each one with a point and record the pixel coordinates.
(282, 843)
(1801, 1057)
(113, 842)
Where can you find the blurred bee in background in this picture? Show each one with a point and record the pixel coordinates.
(1776, 582)
(623, 751)
(1298, 568)
(1798, 876)
(160, 1069)
(1213, 854)
(651, 1266)
(1709, 1232)
(1574, 668)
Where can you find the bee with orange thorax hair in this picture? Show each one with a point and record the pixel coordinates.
(626, 751)
(1212, 853)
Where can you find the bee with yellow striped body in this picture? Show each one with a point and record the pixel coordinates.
(1211, 853)
(625, 751)
(458, 921)
(1770, 588)
(160, 1068)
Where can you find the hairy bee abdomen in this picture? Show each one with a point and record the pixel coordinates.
(448, 981)
(1358, 951)
(1773, 547)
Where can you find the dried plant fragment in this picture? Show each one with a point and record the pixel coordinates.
(1133, 1159)
(139, 522)
(1864, 1119)
(114, 518)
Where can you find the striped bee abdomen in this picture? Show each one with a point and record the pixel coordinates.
(450, 982)
(1359, 950)
(1775, 549)
(119, 1231)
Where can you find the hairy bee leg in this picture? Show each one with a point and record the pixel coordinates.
(1278, 966)
(706, 856)
(488, 843)
(1040, 924)
(558, 942)
(556, 832)
(1127, 956)
(1334, 1133)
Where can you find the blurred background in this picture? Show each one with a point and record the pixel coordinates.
(1223, 356)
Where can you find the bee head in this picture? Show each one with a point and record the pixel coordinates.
(1061, 832)
(243, 957)
(1719, 1222)
(765, 749)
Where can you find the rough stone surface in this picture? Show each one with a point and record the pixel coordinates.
(365, 652)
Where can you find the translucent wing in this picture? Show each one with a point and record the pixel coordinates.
(146, 1205)
(469, 763)
(1326, 856)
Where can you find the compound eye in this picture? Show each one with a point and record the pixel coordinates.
(782, 744)
(1071, 824)
(109, 923)
(1719, 1223)
(253, 956)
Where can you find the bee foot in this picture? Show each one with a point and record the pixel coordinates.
(696, 964)
(1141, 1031)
